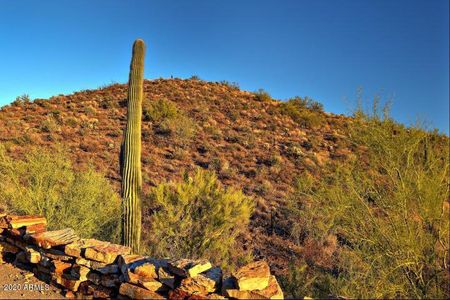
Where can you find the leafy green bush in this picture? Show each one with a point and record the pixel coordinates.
(388, 210)
(169, 120)
(262, 96)
(50, 125)
(198, 218)
(182, 129)
(304, 111)
(45, 183)
(299, 103)
(159, 110)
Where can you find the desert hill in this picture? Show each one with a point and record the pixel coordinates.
(248, 141)
(371, 191)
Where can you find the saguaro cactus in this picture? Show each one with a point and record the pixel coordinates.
(130, 158)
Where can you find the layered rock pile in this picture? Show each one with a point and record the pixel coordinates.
(89, 268)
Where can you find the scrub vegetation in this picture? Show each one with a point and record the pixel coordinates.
(353, 206)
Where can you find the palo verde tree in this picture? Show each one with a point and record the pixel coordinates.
(130, 157)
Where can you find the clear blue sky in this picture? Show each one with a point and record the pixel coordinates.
(322, 49)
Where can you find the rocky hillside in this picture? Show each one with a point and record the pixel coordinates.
(247, 139)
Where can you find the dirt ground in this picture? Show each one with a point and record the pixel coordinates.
(20, 284)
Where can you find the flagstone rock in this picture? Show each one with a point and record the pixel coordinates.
(153, 285)
(111, 280)
(56, 255)
(166, 278)
(59, 267)
(108, 269)
(101, 292)
(272, 291)
(188, 268)
(87, 268)
(79, 272)
(146, 271)
(77, 248)
(97, 291)
(130, 261)
(178, 294)
(135, 292)
(50, 239)
(33, 256)
(204, 283)
(106, 253)
(254, 276)
(19, 232)
(13, 221)
(68, 282)
(90, 263)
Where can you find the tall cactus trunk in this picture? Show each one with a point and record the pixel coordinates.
(130, 158)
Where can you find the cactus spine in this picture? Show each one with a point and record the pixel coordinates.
(130, 158)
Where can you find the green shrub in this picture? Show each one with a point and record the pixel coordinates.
(159, 110)
(300, 103)
(262, 96)
(21, 100)
(304, 111)
(182, 129)
(388, 212)
(71, 122)
(45, 183)
(169, 120)
(50, 125)
(198, 218)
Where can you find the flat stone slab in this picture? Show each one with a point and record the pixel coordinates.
(146, 271)
(106, 253)
(79, 272)
(204, 283)
(96, 291)
(68, 282)
(78, 247)
(59, 267)
(153, 285)
(36, 228)
(135, 292)
(130, 261)
(188, 268)
(272, 291)
(33, 256)
(13, 221)
(108, 269)
(56, 254)
(90, 263)
(50, 239)
(254, 276)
